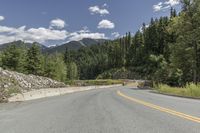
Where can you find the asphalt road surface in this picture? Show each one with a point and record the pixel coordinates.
(114, 110)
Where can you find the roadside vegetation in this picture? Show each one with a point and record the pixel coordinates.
(94, 82)
(190, 90)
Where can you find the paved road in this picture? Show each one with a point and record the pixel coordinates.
(101, 111)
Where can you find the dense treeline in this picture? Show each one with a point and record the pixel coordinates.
(167, 50)
(32, 61)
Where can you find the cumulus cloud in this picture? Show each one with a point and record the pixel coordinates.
(98, 10)
(2, 18)
(79, 36)
(85, 33)
(165, 5)
(115, 34)
(44, 35)
(106, 24)
(158, 6)
(57, 23)
(172, 2)
(41, 35)
(6, 39)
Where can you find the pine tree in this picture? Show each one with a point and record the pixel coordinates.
(67, 56)
(186, 49)
(72, 73)
(129, 40)
(173, 13)
(34, 60)
(13, 58)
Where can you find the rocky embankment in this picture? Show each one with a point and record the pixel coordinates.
(13, 82)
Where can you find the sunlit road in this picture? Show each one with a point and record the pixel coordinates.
(114, 110)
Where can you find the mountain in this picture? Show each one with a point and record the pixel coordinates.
(75, 45)
(21, 44)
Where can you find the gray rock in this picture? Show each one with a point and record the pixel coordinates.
(24, 83)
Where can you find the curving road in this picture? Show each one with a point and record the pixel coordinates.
(114, 110)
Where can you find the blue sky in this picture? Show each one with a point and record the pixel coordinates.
(58, 21)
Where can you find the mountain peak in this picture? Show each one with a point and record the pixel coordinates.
(20, 43)
(75, 45)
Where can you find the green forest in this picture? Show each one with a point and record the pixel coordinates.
(167, 50)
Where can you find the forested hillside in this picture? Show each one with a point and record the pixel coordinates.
(74, 45)
(167, 50)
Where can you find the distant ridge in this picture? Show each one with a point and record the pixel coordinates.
(73, 45)
(21, 44)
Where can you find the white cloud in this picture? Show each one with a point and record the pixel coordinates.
(57, 23)
(165, 5)
(41, 35)
(85, 33)
(6, 39)
(158, 6)
(2, 18)
(79, 36)
(115, 34)
(98, 10)
(172, 2)
(6, 29)
(106, 24)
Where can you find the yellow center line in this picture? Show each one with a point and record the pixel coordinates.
(162, 109)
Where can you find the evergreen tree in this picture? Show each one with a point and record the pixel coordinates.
(13, 58)
(34, 61)
(72, 73)
(186, 49)
(67, 56)
(55, 67)
(173, 13)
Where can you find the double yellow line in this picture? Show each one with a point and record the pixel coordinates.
(162, 109)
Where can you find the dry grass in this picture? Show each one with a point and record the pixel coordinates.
(190, 90)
